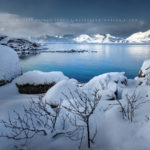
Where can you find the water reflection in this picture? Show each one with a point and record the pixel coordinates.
(83, 66)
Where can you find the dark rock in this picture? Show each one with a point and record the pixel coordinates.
(53, 106)
(141, 75)
(2, 82)
(34, 89)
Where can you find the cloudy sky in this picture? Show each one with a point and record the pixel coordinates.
(53, 17)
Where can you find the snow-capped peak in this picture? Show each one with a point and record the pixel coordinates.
(139, 37)
(97, 38)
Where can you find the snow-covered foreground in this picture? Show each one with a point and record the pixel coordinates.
(112, 131)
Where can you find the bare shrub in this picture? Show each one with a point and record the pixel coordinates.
(147, 80)
(35, 119)
(82, 107)
(133, 102)
(40, 117)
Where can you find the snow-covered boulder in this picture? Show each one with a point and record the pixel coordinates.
(145, 69)
(108, 84)
(144, 73)
(34, 82)
(57, 93)
(9, 65)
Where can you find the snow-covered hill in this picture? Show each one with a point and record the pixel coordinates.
(19, 44)
(139, 37)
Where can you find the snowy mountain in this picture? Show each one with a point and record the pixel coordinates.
(136, 38)
(55, 39)
(83, 38)
(139, 37)
(22, 44)
(98, 38)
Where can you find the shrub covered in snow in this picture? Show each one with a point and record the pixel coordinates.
(71, 119)
(108, 84)
(55, 95)
(34, 82)
(9, 65)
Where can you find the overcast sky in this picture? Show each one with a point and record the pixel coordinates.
(108, 16)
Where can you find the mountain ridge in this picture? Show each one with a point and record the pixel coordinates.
(136, 38)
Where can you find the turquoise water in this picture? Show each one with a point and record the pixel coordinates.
(83, 66)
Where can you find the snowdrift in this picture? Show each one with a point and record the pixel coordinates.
(9, 65)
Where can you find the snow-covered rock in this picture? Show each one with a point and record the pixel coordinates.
(139, 37)
(9, 64)
(36, 82)
(19, 44)
(57, 93)
(144, 73)
(38, 77)
(145, 69)
(108, 84)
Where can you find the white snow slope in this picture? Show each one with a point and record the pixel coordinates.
(139, 37)
(98, 38)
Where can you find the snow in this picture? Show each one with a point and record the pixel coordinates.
(11, 100)
(145, 67)
(139, 37)
(55, 94)
(144, 74)
(9, 64)
(97, 38)
(108, 84)
(136, 38)
(38, 77)
(113, 132)
(83, 38)
(19, 44)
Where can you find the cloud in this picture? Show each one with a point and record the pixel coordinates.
(15, 25)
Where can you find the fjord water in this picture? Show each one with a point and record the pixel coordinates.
(84, 66)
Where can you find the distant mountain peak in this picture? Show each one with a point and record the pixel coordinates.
(98, 38)
(136, 38)
(139, 37)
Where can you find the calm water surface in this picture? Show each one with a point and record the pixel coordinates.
(83, 66)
